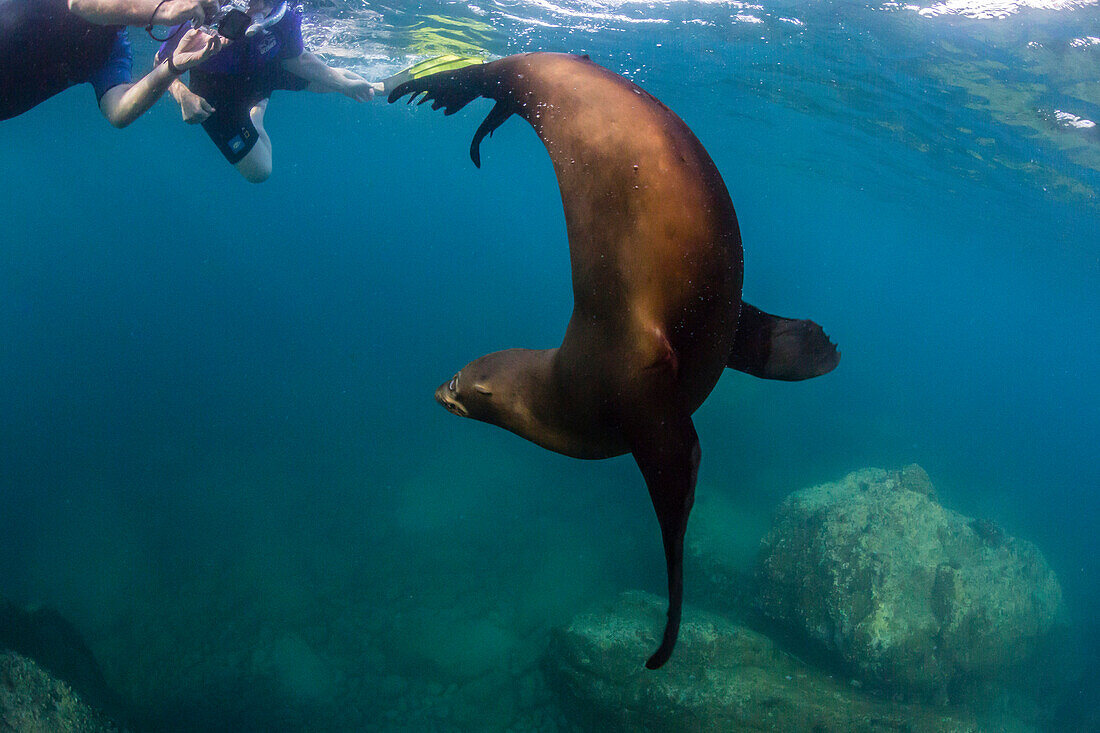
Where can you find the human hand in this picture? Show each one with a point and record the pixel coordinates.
(194, 108)
(171, 12)
(353, 85)
(194, 48)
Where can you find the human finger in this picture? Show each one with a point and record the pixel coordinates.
(190, 59)
(188, 39)
(195, 40)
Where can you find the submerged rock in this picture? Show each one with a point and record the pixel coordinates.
(46, 637)
(907, 595)
(32, 700)
(722, 677)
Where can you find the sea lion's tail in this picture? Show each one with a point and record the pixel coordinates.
(453, 90)
(771, 347)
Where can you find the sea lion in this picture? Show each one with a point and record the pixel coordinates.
(656, 262)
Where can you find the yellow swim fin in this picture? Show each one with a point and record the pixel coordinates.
(446, 62)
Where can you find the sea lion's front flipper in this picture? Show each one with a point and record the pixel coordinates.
(667, 451)
(453, 90)
(448, 90)
(771, 347)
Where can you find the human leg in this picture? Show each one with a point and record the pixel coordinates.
(236, 125)
(255, 166)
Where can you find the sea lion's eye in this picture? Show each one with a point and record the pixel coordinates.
(453, 386)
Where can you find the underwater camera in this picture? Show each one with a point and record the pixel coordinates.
(234, 24)
(229, 23)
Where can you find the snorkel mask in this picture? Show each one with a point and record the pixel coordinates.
(235, 24)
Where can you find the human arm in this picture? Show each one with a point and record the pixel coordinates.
(194, 108)
(143, 12)
(124, 103)
(324, 78)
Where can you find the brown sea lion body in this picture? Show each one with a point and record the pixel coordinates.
(657, 266)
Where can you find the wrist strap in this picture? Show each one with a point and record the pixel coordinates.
(149, 28)
(172, 68)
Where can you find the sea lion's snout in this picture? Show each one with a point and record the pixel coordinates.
(447, 395)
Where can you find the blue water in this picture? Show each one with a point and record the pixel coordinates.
(219, 453)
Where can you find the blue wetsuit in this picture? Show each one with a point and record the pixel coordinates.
(241, 75)
(45, 49)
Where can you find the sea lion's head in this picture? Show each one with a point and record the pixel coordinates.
(497, 388)
(454, 395)
(476, 390)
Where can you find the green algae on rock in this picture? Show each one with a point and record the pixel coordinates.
(47, 638)
(908, 596)
(724, 677)
(33, 700)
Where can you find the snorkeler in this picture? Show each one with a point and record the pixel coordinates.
(45, 49)
(229, 93)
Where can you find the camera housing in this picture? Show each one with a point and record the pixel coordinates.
(231, 24)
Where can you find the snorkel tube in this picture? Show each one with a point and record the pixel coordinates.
(261, 26)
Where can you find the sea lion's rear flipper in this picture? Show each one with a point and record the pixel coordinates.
(453, 90)
(667, 451)
(771, 347)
